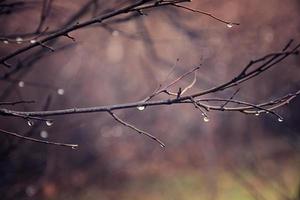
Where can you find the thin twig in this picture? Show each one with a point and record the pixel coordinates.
(136, 129)
(207, 14)
(12, 103)
(73, 146)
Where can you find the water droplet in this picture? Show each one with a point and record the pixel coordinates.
(229, 25)
(280, 119)
(21, 84)
(115, 33)
(44, 134)
(205, 119)
(30, 123)
(141, 108)
(256, 114)
(61, 91)
(32, 41)
(162, 145)
(5, 42)
(74, 146)
(49, 123)
(19, 40)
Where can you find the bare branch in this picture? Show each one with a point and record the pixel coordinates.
(73, 146)
(15, 103)
(228, 23)
(136, 129)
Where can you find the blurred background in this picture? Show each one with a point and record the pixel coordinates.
(233, 156)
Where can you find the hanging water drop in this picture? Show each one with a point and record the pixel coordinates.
(141, 108)
(280, 119)
(257, 114)
(19, 40)
(32, 41)
(44, 134)
(21, 84)
(229, 25)
(49, 123)
(5, 42)
(61, 91)
(74, 146)
(205, 119)
(30, 123)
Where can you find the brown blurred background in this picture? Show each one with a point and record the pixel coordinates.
(233, 156)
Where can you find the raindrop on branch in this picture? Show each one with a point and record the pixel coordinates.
(30, 123)
(5, 42)
(256, 114)
(32, 41)
(280, 119)
(229, 25)
(19, 40)
(21, 84)
(205, 119)
(49, 123)
(74, 147)
(61, 91)
(141, 108)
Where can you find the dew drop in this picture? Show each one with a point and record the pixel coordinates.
(5, 42)
(30, 123)
(229, 25)
(280, 119)
(44, 134)
(32, 41)
(21, 84)
(74, 146)
(49, 123)
(141, 108)
(256, 114)
(205, 119)
(61, 91)
(19, 40)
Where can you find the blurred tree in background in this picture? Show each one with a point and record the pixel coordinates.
(124, 52)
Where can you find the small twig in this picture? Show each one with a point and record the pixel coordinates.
(73, 146)
(68, 36)
(164, 89)
(288, 45)
(135, 129)
(233, 95)
(190, 85)
(46, 46)
(207, 14)
(199, 106)
(6, 64)
(15, 102)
